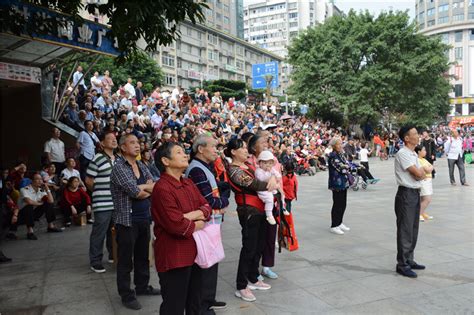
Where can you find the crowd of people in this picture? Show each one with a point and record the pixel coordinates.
(126, 171)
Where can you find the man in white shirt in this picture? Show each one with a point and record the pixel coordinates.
(78, 78)
(86, 143)
(409, 175)
(35, 200)
(129, 88)
(454, 152)
(54, 149)
(96, 83)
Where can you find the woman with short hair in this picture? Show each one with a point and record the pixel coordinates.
(178, 210)
(338, 182)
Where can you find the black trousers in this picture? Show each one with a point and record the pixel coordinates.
(181, 291)
(132, 254)
(28, 215)
(79, 208)
(83, 164)
(367, 172)
(209, 287)
(407, 210)
(253, 242)
(59, 167)
(339, 203)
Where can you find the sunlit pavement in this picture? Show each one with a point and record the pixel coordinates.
(329, 274)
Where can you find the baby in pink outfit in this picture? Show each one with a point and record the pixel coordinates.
(264, 172)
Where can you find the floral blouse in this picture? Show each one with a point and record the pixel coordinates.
(338, 171)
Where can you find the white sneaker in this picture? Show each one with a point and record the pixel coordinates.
(245, 295)
(271, 220)
(336, 230)
(422, 219)
(343, 227)
(259, 285)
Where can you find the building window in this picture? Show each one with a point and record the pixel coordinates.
(431, 22)
(444, 19)
(458, 92)
(444, 38)
(471, 36)
(421, 16)
(443, 8)
(212, 55)
(293, 15)
(226, 20)
(471, 16)
(212, 39)
(239, 65)
(293, 24)
(458, 17)
(471, 108)
(471, 3)
(167, 60)
(458, 37)
(458, 109)
(189, 31)
(458, 53)
(430, 12)
(169, 79)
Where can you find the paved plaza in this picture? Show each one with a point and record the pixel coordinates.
(329, 274)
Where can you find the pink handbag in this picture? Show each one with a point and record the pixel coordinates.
(210, 250)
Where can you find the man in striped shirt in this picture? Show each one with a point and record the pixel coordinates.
(98, 181)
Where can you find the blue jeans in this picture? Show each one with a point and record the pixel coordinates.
(100, 230)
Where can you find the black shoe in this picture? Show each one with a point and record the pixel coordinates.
(98, 268)
(148, 291)
(11, 236)
(31, 236)
(90, 221)
(407, 272)
(132, 304)
(417, 266)
(4, 259)
(216, 305)
(54, 230)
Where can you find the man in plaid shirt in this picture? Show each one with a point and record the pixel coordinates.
(131, 186)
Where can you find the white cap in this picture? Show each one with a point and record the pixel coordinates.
(265, 156)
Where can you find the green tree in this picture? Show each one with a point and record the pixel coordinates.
(355, 67)
(227, 88)
(155, 21)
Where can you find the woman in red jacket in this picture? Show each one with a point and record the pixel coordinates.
(75, 201)
(178, 209)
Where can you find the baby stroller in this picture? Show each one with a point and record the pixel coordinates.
(355, 179)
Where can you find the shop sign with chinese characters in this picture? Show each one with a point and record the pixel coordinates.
(89, 36)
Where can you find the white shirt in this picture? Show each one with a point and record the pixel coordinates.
(66, 174)
(76, 77)
(130, 89)
(87, 144)
(453, 148)
(364, 155)
(156, 120)
(404, 159)
(96, 84)
(30, 193)
(55, 148)
(131, 115)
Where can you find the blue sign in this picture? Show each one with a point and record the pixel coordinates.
(260, 70)
(89, 36)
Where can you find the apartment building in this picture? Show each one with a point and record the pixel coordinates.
(453, 22)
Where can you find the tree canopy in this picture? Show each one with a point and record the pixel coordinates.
(156, 21)
(227, 88)
(360, 67)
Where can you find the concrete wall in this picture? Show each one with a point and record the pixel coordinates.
(22, 129)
